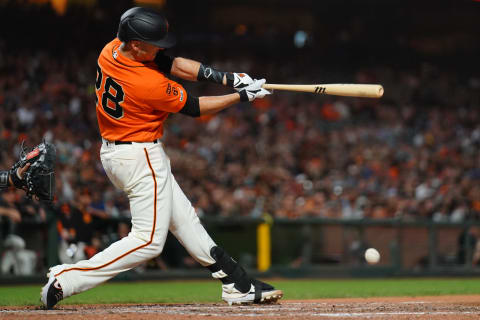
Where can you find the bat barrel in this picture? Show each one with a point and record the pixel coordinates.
(338, 89)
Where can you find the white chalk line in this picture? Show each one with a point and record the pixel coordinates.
(251, 312)
(338, 315)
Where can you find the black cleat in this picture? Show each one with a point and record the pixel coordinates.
(260, 293)
(51, 293)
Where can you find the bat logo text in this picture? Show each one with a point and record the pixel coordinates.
(319, 90)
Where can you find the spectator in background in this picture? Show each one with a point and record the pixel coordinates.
(91, 205)
(69, 224)
(77, 241)
(9, 212)
(16, 259)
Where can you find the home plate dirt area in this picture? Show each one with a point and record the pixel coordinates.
(441, 307)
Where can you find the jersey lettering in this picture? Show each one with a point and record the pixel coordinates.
(116, 111)
(98, 82)
(113, 95)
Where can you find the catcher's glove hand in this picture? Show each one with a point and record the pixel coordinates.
(39, 179)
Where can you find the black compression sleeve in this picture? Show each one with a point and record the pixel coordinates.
(206, 73)
(164, 62)
(191, 107)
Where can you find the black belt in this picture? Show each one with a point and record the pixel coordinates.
(130, 142)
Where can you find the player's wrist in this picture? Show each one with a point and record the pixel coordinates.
(229, 77)
(243, 95)
(207, 73)
(15, 179)
(253, 91)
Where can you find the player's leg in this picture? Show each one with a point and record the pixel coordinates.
(238, 287)
(144, 174)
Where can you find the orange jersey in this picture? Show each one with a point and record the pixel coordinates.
(133, 98)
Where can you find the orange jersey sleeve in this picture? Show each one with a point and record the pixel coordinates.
(133, 99)
(167, 95)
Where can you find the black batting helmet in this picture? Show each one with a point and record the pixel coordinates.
(146, 25)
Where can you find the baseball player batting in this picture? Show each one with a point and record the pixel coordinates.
(134, 98)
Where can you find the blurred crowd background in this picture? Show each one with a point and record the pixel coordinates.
(412, 155)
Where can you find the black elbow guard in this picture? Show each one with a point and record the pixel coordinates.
(206, 73)
(191, 107)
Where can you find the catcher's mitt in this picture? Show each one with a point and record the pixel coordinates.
(39, 180)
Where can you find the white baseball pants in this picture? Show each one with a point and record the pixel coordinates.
(157, 204)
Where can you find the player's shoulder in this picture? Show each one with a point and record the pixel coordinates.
(109, 47)
(114, 43)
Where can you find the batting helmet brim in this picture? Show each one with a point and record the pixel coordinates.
(167, 42)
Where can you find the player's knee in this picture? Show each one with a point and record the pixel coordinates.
(154, 249)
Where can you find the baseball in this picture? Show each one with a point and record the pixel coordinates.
(372, 256)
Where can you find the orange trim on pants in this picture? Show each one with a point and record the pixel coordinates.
(140, 247)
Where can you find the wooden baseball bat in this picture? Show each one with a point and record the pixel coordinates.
(337, 89)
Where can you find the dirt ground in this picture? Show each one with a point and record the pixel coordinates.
(443, 307)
